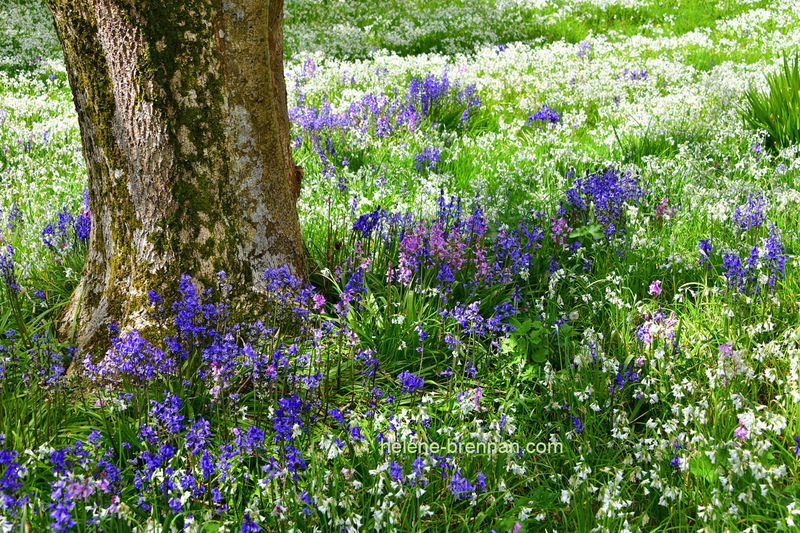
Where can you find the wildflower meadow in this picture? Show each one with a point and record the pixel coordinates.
(554, 287)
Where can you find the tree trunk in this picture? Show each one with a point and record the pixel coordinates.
(183, 118)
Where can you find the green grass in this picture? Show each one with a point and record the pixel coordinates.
(777, 112)
(405, 28)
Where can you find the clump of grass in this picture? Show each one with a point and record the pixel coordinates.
(778, 111)
(658, 144)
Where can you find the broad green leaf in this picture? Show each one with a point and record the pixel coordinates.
(508, 345)
(539, 355)
(594, 231)
(701, 466)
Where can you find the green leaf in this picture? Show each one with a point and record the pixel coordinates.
(701, 466)
(539, 355)
(594, 231)
(723, 456)
(521, 327)
(566, 331)
(794, 490)
(536, 333)
(522, 347)
(508, 345)
(167, 525)
(767, 459)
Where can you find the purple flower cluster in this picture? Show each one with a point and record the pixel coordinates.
(462, 489)
(441, 245)
(369, 363)
(219, 354)
(432, 98)
(45, 363)
(178, 464)
(365, 224)
(68, 231)
(11, 473)
(132, 360)
(657, 326)
(607, 191)
(82, 474)
(584, 49)
(760, 269)
(248, 526)
(705, 249)
(750, 215)
(453, 245)
(166, 414)
(409, 381)
(757, 268)
(633, 75)
(288, 422)
(427, 159)
(676, 461)
(15, 219)
(628, 376)
(293, 298)
(7, 270)
(544, 114)
(61, 507)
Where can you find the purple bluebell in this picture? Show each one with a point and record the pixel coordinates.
(409, 381)
(7, 270)
(544, 114)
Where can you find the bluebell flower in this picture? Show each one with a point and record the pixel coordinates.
(608, 192)
(584, 49)
(288, 421)
(10, 480)
(365, 224)
(544, 114)
(309, 501)
(60, 509)
(427, 159)
(198, 435)
(705, 253)
(462, 489)
(15, 219)
(167, 413)
(409, 382)
(750, 215)
(175, 504)
(207, 464)
(8, 271)
(633, 75)
(248, 526)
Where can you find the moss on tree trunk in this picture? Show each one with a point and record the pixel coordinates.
(183, 118)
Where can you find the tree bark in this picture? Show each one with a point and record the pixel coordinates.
(183, 118)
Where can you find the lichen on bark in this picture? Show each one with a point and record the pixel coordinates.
(182, 109)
